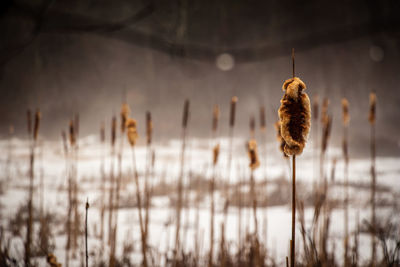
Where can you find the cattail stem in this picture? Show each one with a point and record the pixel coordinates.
(346, 198)
(212, 184)
(373, 192)
(86, 233)
(139, 203)
(292, 250)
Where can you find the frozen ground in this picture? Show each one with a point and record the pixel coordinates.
(50, 170)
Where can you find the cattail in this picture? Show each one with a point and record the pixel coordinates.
(102, 133)
(294, 114)
(132, 132)
(125, 110)
(113, 130)
(372, 108)
(327, 124)
(72, 137)
(315, 108)
(263, 123)
(233, 111)
(185, 117)
(253, 155)
(36, 125)
(153, 158)
(279, 138)
(215, 118)
(29, 121)
(252, 127)
(149, 127)
(346, 115)
(52, 260)
(324, 110)
(215, 154)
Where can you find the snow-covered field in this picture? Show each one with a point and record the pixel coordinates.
(50, 176)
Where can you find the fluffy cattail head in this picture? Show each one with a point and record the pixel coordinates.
(72, 137)
(29, 121)
(131, 131)
(232, 111)
(372, 108)
(215, 154)
(215, 118)
(315, 108)
(125, 110)
(263, 123)
(185, 117)
(38, 115)
(294, 114)
(279, 138)
(113, 130)
(149, 127)
(346, 114)
(253, 155)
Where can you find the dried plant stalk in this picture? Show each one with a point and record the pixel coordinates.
(29, 122)
(149, 127)
(371, 119)
(86, 233)
(36, 125)
(125, 110)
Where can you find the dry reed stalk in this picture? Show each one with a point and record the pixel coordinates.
(29, 222)
(103, 178)
(86, 233)
(185, 119)
(263, 130)
(372, 119)
(132, 138)
(149, 164)
(215, 155)
(315, 112)
(345, 123)
(295, 115)
(111, 182)
(254, 164)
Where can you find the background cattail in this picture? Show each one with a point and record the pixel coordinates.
(295, 115)
(263, 123)
(149, 127)
(72, 137)
(327, 123)
(113, 130)
(324, 110)
(215, 118)
(132, 132)
(29, 121)
(253, 155)
(125, 110)
(36, 125)
(346, 115)
(215, 154)
(315, 107)
(372, 108)
(185, 117)
(102, 132)
(232, 111)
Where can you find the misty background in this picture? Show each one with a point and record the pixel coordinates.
(68, 57)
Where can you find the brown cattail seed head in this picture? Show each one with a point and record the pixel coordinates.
(324, 110)
(280, 139)
(315, 108)
(372, 108)
(29, 121)
(215, 118)
(38, 115)
(132, 131)
(149, 127)
(346, 115)
(125, 110)
(113, 130)
(263, 123)
(232, 111)
(253, 155)
(185, 117)
(215, 154)
(294, 115)
(326, 131)
(72, 137)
